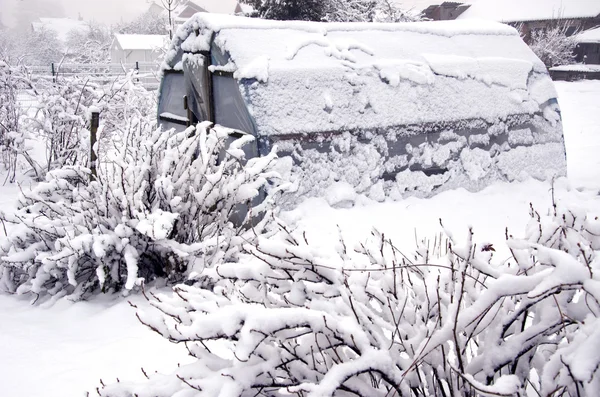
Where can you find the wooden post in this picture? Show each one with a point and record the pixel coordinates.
(53, 73)
(95, 123)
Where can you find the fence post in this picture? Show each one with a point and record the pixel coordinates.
(137, 68)
(53, 73)
(95, 122)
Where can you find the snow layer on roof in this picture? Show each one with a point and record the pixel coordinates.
(531, 10)
(589, 36)
(140, 41)
(218, 6)
(61, 26)
(213, 6)
(303, 77)
(420, 5)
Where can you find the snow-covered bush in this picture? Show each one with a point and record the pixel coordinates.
(61, 121)
(331, 10)
(450, 320)
(13, 80)
(367, 11)
(552, 45)
(147, 23)
(160, 206)
(303, 10)
(62, 116)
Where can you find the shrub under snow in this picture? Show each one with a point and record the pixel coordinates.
(552, 45)
(13, 80)
(160, 207)
(451, 320)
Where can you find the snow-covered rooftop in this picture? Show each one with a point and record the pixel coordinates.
(212, 6)
(532, 10)
(218, 6)
(61, 26)
(589, 36)
(420, 5)
(305, 76)
(140, 41)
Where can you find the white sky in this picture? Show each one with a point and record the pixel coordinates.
(107, 11)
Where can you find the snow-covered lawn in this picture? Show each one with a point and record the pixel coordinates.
(64, 349)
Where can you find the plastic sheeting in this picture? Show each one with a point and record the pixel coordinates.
(173, 89)
(230, 108)
(198, 88)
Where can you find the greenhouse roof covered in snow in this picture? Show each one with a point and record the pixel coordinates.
(303, 77)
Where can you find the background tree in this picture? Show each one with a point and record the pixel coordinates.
(41, 48)
(170, 6)
(331, 10)
(554, 44)
(147, 23)
(366, 11)
(303, 10)
(89, 46)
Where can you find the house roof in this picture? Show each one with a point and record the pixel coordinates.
(188, 10)
(420, 5)
(532, 10)
(61, 26)
(218, 6)
(140, 41)
(589, 36)
(305, 77)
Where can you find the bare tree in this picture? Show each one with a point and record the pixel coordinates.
(170, 6)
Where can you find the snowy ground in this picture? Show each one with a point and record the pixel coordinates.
(64, 349)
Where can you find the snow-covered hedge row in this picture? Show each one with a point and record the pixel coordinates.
(450, 320)
(160, 206)
(53, 113)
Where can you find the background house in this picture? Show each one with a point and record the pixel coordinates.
(445, 11)
(132, 48)
(190, 7)
(588, 46)
(61, 26)
(575, 15)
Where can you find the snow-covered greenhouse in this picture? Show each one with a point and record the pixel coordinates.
(389, 108)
